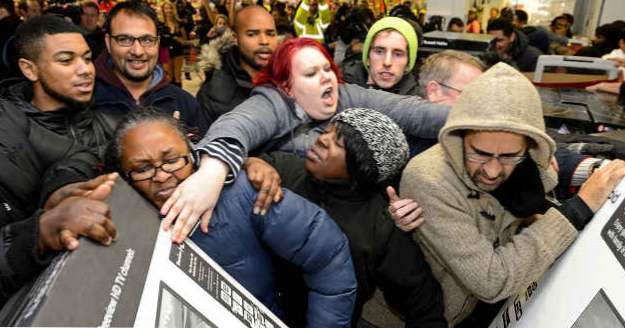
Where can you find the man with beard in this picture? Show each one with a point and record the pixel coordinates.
(56, 61)
(489, 229)
(128, 75)
(229, 83)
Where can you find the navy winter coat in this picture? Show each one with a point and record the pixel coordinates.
(295, 230)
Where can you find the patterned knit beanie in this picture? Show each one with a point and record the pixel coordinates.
(385, 150)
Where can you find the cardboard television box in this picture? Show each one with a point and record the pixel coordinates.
(142, 279)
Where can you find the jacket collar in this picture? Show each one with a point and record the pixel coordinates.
(232, 63)
(105, 73)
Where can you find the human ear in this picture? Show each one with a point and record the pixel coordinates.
(107, 41)
(29, 69)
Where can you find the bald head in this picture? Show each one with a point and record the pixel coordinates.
(256, 35)
(246, 15)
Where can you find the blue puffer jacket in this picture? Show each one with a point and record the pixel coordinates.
(294, 229)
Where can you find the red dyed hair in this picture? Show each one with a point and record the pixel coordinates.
(278, 70)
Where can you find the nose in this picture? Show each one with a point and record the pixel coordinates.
(324, 140)
(85, 67)
(160, 175)
(136, 48)
(326, 76)
(388, 58)
(264, 40)
(492, 168)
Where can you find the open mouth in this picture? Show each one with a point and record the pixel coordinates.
(263, 55)
(86, 86)
(327, 93)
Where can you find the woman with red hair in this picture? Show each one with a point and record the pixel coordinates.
(295, 98)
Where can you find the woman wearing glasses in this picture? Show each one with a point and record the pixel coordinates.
(152, 153)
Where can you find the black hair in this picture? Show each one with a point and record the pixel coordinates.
(501, 24)
(404, 12)
(556, 19)
(132, 8)
(507, 13)
(521, 16)
(358, 158)
(611, 33)
(89, 4)
(29, 35)
(8, 5)
(570, 18)
(455, 21)
(112, 157)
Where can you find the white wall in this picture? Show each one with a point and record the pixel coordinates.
(612, 10)
(448, 9)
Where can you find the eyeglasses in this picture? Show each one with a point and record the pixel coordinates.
(449, 86)
(149, 171)
(503, 159)
(146, 41)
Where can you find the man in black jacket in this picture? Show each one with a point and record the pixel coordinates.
(345, 173)
(57, 63)
(36, 221)
(512, 44)
(232, 68)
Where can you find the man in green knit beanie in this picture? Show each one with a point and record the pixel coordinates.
(388, 57)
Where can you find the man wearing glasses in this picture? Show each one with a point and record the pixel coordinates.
(127, 75)
(444, 75)
(489, 228)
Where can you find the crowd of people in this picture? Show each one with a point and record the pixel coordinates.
(521, 44)
(322, 159)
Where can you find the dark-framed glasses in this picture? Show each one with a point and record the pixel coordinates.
(503, 159)
(149, 171)
(445, 85)
(146, 41)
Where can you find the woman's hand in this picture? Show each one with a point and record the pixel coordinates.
(405, 212)
(266, 180)
(194, 198)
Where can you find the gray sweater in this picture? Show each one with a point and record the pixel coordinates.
(269, 120)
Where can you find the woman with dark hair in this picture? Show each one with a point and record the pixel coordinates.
(297, 94)
(152, 153)
(345, 172)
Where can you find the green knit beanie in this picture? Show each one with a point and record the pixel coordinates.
(399, 25)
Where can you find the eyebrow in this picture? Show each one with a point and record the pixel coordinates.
(485, 153)
(70, 53)
(147, 160)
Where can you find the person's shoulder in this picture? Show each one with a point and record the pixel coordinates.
(429, 168)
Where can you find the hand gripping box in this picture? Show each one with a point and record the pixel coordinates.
(142, 280)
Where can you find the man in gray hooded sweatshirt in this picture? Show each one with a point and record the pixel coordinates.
(489, 230)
